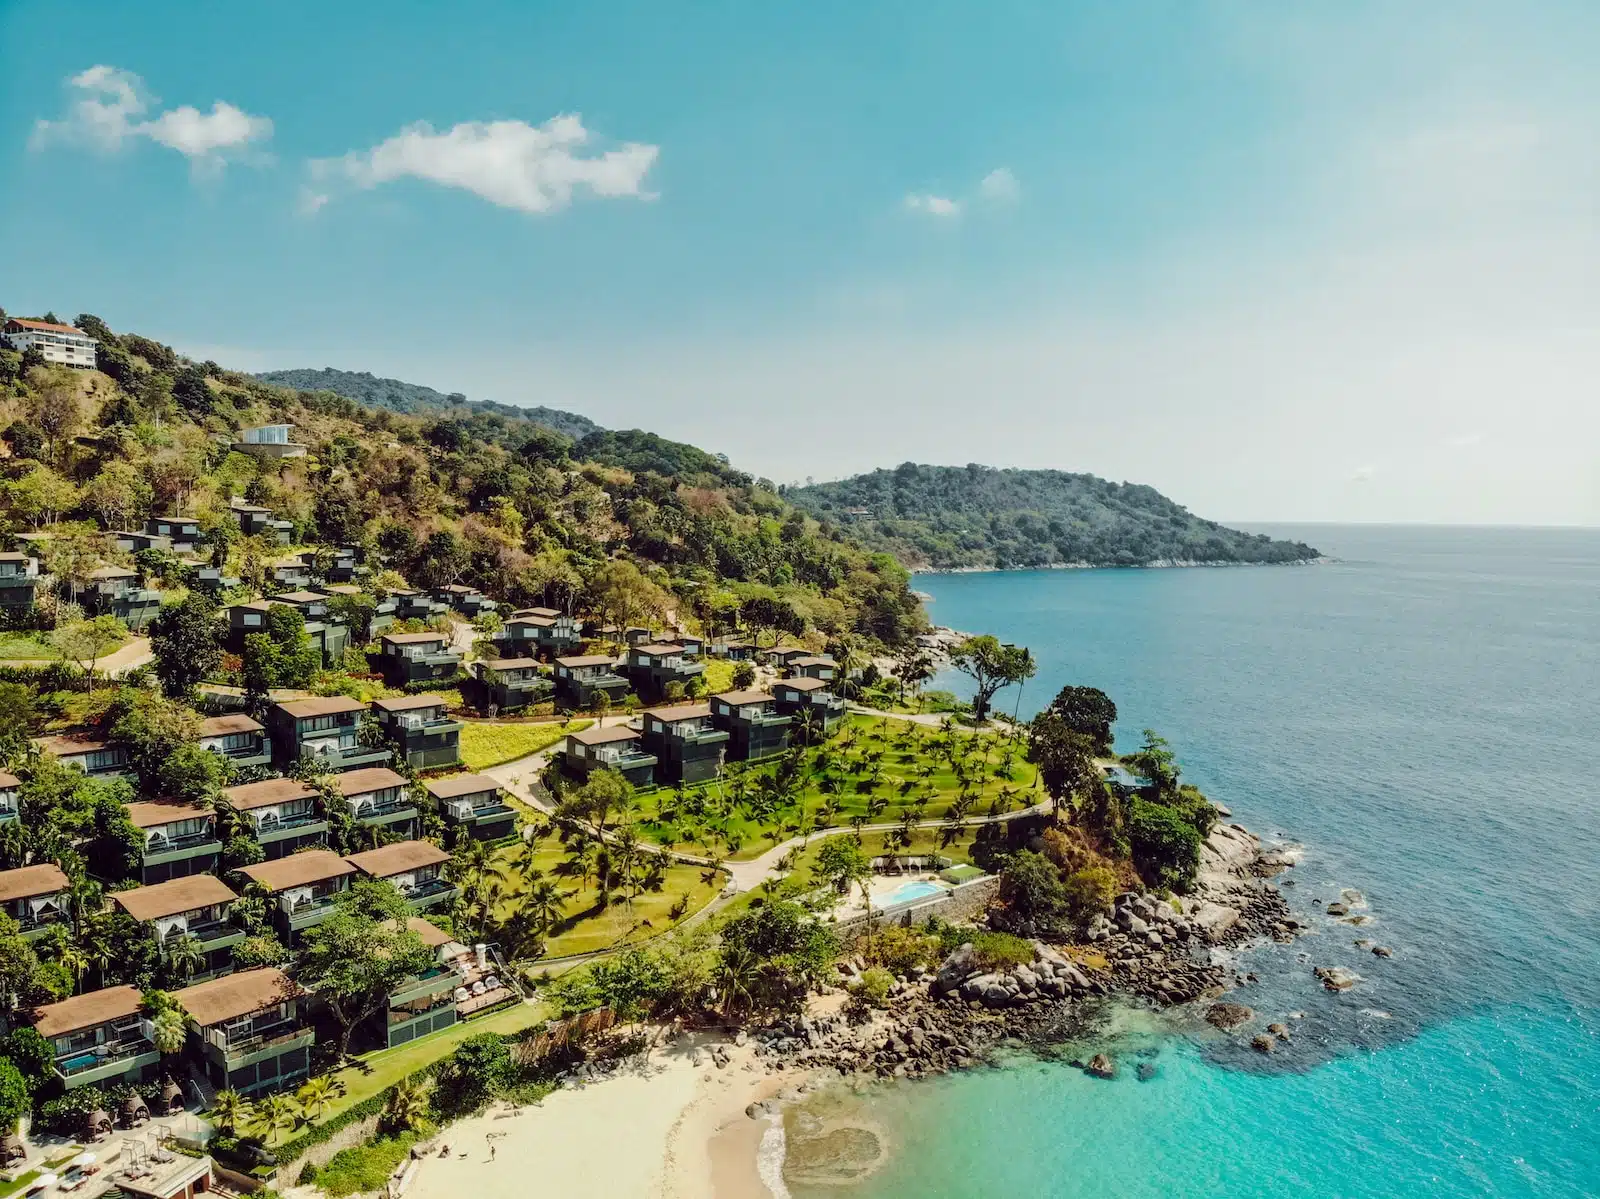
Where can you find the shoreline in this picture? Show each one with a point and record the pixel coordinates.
(1158, 564)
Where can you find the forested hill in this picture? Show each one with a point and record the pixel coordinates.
(949, 517)
(415, 399)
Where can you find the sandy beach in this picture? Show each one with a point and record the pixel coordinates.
(661, 1127)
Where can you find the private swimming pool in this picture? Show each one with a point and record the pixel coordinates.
(908, 892)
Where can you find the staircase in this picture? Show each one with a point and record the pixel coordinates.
(200, 1092)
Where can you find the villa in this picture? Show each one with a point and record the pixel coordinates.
(417, 658)
(473, 806)
(468, 601)
(246, 1030)
(383, 612)
(132, 542)
(101, 1037)
(653, 667)
(796, 696)
(180, 839)
(780, 656)
(416, 605)
(291, 571)
(418, 725)
(733, 649)
(84, 751)
(269, 441)
(512, 683)
(115, 591)
(9, 801)
(182, 532)
(813, 666)
(19, 579)
(533, 631)
(414, 868)
(256, 521)
(330, 636)
(462, 983)
(686, 742)
(283, 814)
(64, 345)
(327, 729)
(380, 798)
(304, 887)
(756, 728)
(211, 580)
(616, 748)
(199, 906)
(580, 679)
(240, 739)
(35, 897)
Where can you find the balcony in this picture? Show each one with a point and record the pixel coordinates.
(37, 926)
(430, 894)
(439, 981)
(309, 912)
(291, 826)
(261, 1042)
(345, 757)
(216, 934)
(463, 814)
(7, 814)
(259, 754)
(177, 849)
(701, 736)
(427, 728)
(101, 1062)
(387, 813)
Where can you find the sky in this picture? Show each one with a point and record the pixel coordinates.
(1283, 262)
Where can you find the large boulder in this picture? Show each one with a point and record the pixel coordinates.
(1337, 978)
(1101, 1066)
(955, 968)
(1212, 920)
(1228, 1015)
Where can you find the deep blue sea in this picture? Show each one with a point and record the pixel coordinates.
(1423, 716)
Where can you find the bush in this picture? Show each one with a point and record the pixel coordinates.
(364, 1168)
(1000, 951)
(1165, 846)
(872, 988)
(1030, 887)
(1089, 893)
(899, 948)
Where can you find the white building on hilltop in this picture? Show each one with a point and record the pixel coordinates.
(61, 344)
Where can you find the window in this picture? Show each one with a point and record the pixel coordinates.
(252, 619)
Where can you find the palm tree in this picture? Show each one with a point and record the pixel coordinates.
(184, 955)
(169, 1030)
(275, 1114)
(316, 1095)
(736, 974)
(408, 1104)
(75, 962)
(546, 904)
(230, 1110)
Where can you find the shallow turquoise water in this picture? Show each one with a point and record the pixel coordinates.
(1424, 717)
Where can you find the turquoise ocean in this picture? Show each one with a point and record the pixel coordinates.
(1423, 716)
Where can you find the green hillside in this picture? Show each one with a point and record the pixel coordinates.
(415, 399)
(950, 517)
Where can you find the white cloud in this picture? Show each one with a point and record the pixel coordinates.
(933, 205)
(1363, 474)
(110, 108)
(1001, 186)
(531, 168)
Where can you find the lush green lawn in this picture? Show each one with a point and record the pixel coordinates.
(874, 767)
(588, 926)
(718, 675)
(377, 1071)
(485, 743)
(36, 647)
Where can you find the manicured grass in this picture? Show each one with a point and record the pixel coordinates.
(22, 647)
(485, 744)
(718, 675)
(914, 774)
(589, 927)
(377, 1071)
(21, 1184)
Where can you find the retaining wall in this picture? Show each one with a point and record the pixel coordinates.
(960, 903)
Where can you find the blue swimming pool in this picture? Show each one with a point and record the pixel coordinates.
(81, 1061)
(907, 892)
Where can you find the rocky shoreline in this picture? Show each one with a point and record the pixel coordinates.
(1149, 949)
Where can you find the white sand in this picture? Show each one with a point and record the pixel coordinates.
(642, 1132)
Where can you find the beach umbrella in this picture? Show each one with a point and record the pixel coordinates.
(83, 1159)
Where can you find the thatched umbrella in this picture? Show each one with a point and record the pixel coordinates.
(134, 1110)
(97, 1124)
(12, 1149)
(171, 1096)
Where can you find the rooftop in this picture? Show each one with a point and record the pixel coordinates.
(802, 684)
(511, 663)
(552, 613)
(740, 698)
(600, 736)
(327, 705)
(113, 572)
(87, 1010)
(63, 744)
(249, 796)
(813, 660)
(8, 780)
(372, 778)
(170, 898)
(432, 935)
(397, 858)
(674, 715)
(301, 597)
(28, 881)
(460, 784)
(411, 638)
(217, 726)
(45, 326)
(588, 660)
(241, 994)
(156, 812)
(298, 869)
(403, 703)
(658, 648)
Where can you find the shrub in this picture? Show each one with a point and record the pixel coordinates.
(1030, 887)
(1000, 951)
(899, 948)
(1089, 892)
(872, 988)
(364, 1168)
(1165, 846)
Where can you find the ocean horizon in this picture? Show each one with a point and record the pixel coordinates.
(1418, 714)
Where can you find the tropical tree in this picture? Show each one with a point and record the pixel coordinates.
(85, 642)
(231, 1111)
(274, 1115)
(184, 955)
(1065, 759)
(316, 1095)
(990, 665)
(408, 1105)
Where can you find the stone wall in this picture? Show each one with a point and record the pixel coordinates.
(320, 1155)
(960, 903)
